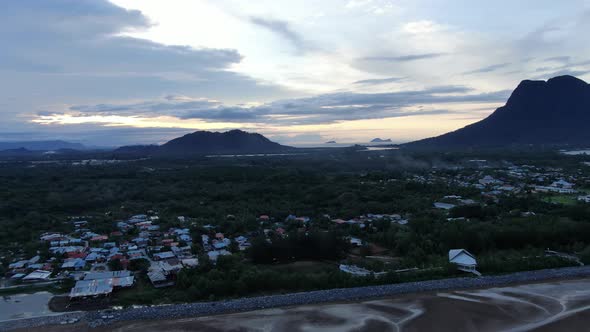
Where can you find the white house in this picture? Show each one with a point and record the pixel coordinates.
(354, 270)
(489, 180)
(562, 184)
(356, 241)
(585, 199)
(443, 206)
(559, 190)
(464, 260)
(38, 275)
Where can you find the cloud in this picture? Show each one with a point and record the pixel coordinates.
(561, 73)
(284, 30)
(568, 66)
(377, 81)
(357, 3)
(296, 139)
(421, 27)
(67, 51)
(320, 109)
(405, 58)
(563, 59)
(487, 69)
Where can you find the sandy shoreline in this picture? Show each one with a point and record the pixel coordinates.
(326, 298)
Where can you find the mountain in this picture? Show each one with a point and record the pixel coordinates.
(41, 145)
(206, 142)
(553, 112)
(379, 140)
(19, 152)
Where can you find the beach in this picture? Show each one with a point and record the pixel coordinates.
(562, 305)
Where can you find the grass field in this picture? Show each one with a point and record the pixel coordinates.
(562, 199)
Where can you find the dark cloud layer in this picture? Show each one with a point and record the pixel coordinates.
(284, 30)
(321, 109)
(405, 58)
(488, 69)
(377, 81)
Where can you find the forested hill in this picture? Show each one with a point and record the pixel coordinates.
(205, 142)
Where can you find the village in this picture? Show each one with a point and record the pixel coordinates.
(101, 263)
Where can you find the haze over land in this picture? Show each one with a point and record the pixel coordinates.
(129, 72)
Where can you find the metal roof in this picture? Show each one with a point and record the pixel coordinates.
(85, 288)
(106, 275)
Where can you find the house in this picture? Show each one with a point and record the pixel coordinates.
(213, 255)
(80, 223)
(489, 180)
(354, 270)
(18, 276)
(507, 188)
(555, 189)
(37, 275)
(185, 238)
(92, 257)
(99, 238)
(101, 283)
(359, 271)
(18, 265)
(182, 252)
(443, 206)
(243, 243)
(140, 242)
(585, 199)
(135, 254)
(356, 242)
(106, 275)
(339, 221)
(35, 260)
(219, 245)
(562, 184)
(159, 279)
(164, 255)
(464, 260)
(124, 226)
(190, 262)
(51, 237)
(297, 219)
(74, 264)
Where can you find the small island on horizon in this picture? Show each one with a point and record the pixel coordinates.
(380, 140)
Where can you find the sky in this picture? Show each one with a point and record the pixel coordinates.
(111, 73)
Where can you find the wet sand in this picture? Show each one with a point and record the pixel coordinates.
(549, 306)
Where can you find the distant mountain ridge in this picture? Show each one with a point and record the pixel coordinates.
(41, 145)
(552, 112)
(206, 142)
